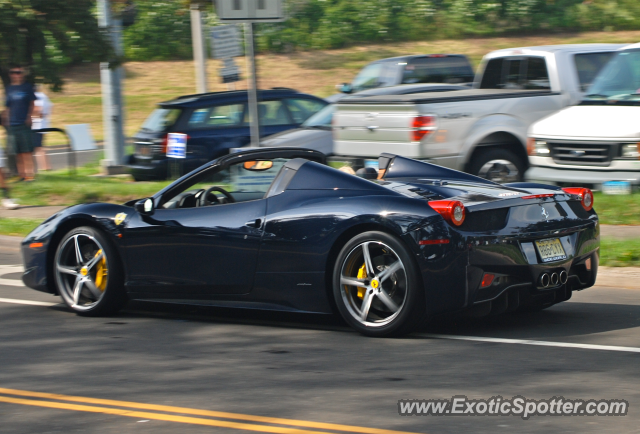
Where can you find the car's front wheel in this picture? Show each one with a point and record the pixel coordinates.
(377, 287)
(88, 273)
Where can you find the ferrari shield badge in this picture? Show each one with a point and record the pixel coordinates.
(119, 218)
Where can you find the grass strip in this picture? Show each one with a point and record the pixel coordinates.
(620, 253)
(18, 227)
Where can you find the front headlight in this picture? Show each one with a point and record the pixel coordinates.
(537, 148)
(631, 150)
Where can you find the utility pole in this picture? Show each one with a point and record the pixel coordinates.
(112, 102)
(253, 86)
(199, 56)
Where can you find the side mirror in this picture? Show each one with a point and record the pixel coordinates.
(144, 206)
(344, 88)
(258, 166)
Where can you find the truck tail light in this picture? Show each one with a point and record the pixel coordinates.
(422, 126)
(163, 144)
(453, 211)
(585, 195)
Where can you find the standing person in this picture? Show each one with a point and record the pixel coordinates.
(7, 202)
(20, 102)
(40, 119)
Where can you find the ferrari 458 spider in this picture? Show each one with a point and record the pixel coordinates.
(278, 229)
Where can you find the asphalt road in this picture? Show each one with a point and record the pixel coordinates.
(167, 369)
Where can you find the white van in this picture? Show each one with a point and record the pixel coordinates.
(598, 141)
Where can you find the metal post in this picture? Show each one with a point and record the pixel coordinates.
(112, 102)
(199, 57)
(253, 93)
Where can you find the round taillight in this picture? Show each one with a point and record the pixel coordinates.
(585, 195)
(452, 211)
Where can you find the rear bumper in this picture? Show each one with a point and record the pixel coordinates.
(554, 173)
(153, 170)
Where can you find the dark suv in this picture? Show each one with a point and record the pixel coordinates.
(214, 123)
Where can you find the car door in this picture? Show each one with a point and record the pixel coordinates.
(193, 249)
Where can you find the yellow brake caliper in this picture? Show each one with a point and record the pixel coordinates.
(101, 272)
(362, 274)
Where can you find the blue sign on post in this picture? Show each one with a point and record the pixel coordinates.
(176, 145)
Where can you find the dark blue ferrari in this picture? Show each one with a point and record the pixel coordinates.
(278, 229)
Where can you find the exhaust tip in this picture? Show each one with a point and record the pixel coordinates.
(554, 279)
(563, 277)
(544, 280)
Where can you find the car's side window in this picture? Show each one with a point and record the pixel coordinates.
(301, 108)
(271, 113)
(239, 182)
(226, 115)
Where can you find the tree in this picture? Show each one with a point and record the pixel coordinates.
(46, 35)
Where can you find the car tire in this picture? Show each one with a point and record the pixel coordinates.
(390, 304)
(498, 165)
(88, 273)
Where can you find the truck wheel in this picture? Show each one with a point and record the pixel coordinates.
(498, 165)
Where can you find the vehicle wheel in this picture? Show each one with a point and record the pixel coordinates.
(88, 273)
(498, 165)
(377, 287)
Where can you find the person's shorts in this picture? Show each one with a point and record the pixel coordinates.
(37, 140)
(22, 137)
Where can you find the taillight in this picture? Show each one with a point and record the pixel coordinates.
(422, 126)
(452, 210)
(585, 195)
(163, 144)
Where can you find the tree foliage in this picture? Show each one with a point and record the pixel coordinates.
(315, 24)
(46, 35)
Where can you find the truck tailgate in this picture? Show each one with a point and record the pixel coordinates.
(372, 129)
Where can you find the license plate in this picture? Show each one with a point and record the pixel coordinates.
(550, 250)
(616, 187)
(144, 150)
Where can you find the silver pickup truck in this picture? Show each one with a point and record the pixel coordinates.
(483, 130)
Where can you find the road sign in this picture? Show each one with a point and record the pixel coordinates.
(176, 145)
(225, 42)
(230, 71)
(249, 11)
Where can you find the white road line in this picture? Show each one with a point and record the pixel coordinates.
(6, 269)
(29, 302)
(77, 152)
(530, 342)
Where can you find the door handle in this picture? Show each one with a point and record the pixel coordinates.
(254, 223)
(372, 127)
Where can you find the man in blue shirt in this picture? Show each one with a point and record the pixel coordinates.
(17, 117)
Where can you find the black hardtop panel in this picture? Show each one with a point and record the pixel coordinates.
(315, 176)
(402, 167)
(451, 96)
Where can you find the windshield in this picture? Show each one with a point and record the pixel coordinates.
(160, 120)
(368, 78)
(619, 80)
(321, 118)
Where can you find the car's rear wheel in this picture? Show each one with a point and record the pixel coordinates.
(498, 165)
(88, 273)
(376, 285)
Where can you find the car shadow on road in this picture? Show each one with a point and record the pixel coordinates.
(564, 320)
(559, 322)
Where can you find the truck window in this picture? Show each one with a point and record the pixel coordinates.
(516, 73)
(368, 78)
(588, 66)
(537, 76)
(444, 69)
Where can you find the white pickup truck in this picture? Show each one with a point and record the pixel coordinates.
(598, 141)
(483, 130)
